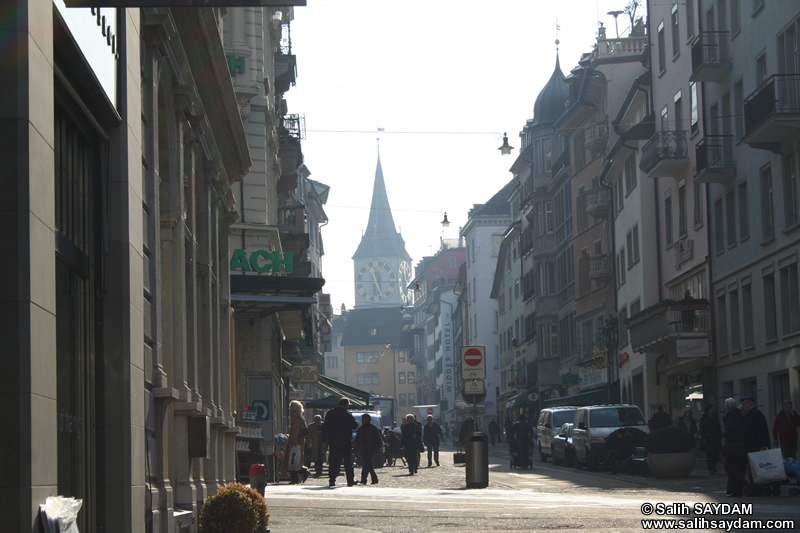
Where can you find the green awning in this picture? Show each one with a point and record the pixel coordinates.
(329, 402)
(592, 397)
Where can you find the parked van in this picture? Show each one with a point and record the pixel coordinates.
(550, 421)
(595, 423)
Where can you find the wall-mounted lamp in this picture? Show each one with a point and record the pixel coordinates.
(506, 148)
(445, 222)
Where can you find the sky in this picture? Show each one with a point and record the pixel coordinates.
(444, 79)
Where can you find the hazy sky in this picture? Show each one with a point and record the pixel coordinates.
(445, 79)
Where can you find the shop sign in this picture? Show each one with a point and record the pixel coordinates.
(621, 358)
(591, 377)
(692, 348)
(261, 261)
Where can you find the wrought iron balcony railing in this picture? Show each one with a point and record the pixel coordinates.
(714, 159)
(657, 328)
(596, 136)
(772, 112)
(711, 60)
(664, 153)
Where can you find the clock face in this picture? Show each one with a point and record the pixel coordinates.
(376, 281)
(405, 278)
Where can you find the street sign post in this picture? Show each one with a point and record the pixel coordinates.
(473, 391)
(473, 362)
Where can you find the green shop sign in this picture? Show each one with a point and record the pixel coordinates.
(261, 261)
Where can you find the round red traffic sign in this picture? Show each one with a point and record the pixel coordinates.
(473, 357)
(430, 410)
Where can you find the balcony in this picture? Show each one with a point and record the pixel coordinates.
(714, 159)
(665, 154)
(285, 71)
(601, 267)
(291, 130)
(661, 327)
(772, 112)
(711, 60)
(294, 239)
(684, 251)
(598, 202)
(596, 137)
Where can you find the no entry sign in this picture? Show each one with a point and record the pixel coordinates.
(473, 362)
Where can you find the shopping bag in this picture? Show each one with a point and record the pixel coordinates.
(766, 466)
(294, 458)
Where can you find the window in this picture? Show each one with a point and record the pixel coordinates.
(368, 378)
(690, 18)
(401, 378)
(621, 267)
(676, 32)
(790, 190)
(622, 329)
(501, 303)
(579, 148)
(629, 239)
(719, 240)
(747, 311)
(730, 218)
(767, 211)
(401, 355)
(722, 326)
(761, 69)
(331, 361)
(738, 109)
(736, 22)
(770, 312)
(402, 399)
(668, 218)
(636, 243)
(744, 214)
(363, 358)
(620, 195)
(630, 174)
(698, 204)
(412, 398)
(736, 342)
(662, 53)
(758, 5)
(411, 377)
(452, 262)
(373, 332)
(790, 299)
(694, 114)
(682, 224)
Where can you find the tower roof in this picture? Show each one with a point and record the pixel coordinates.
(550, 102)
(381, 238)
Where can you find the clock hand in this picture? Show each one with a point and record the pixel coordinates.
(375, 280)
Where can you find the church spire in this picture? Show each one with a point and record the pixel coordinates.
(381, 237)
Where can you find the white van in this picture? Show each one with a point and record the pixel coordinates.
(550, 421)
(595, 423)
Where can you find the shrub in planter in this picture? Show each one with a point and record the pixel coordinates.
(235, 508)
(669, 440)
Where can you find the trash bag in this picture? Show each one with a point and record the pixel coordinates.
(59, 514)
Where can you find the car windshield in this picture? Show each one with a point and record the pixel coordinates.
(615, 417)
(566, 430)
(562, 417)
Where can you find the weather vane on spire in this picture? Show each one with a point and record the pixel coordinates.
(558, 28)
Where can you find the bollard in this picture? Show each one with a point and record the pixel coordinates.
(478, 461)
(258, 477)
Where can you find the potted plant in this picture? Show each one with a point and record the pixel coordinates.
(671, 452)
(235, 508)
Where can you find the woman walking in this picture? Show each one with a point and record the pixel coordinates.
(298, 431)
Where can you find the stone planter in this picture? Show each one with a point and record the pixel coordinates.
(671, 465)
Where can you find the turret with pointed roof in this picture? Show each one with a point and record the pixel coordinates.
(550, 102)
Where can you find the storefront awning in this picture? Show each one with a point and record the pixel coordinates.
(358, 398)
(593, 397)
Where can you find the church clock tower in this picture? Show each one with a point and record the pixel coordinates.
(381, 264)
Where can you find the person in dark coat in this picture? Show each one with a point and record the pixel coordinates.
(784, 430)
(523, 438)
(318, 447)
(660, 420)
(711, 437)
(687, 423)
(337, 431)
(369, 441)
(410, 438)
(733, 448)
(494, 431)
(431, 433)
(467, 427)
(756, 437)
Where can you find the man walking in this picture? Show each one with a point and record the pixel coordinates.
(368, 442)
(733, 448)
(411, 439)
(784, 430)
(494, 431)
(317, 445)
(756, 436)
(523, 437)
(431, 434)
(338, 433)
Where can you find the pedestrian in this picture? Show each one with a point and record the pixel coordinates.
(369, 441)
(620, 444)
(298, 432)
(467, 427)
(523, 437)
(660, 420)
(410, 438)
(784, 430)
(687, 423)
(756, 435)
(494, 431)
(509, 427)
(431, 434)
(733, 448)
(710, 437)
(318, 446)
(337, 431)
